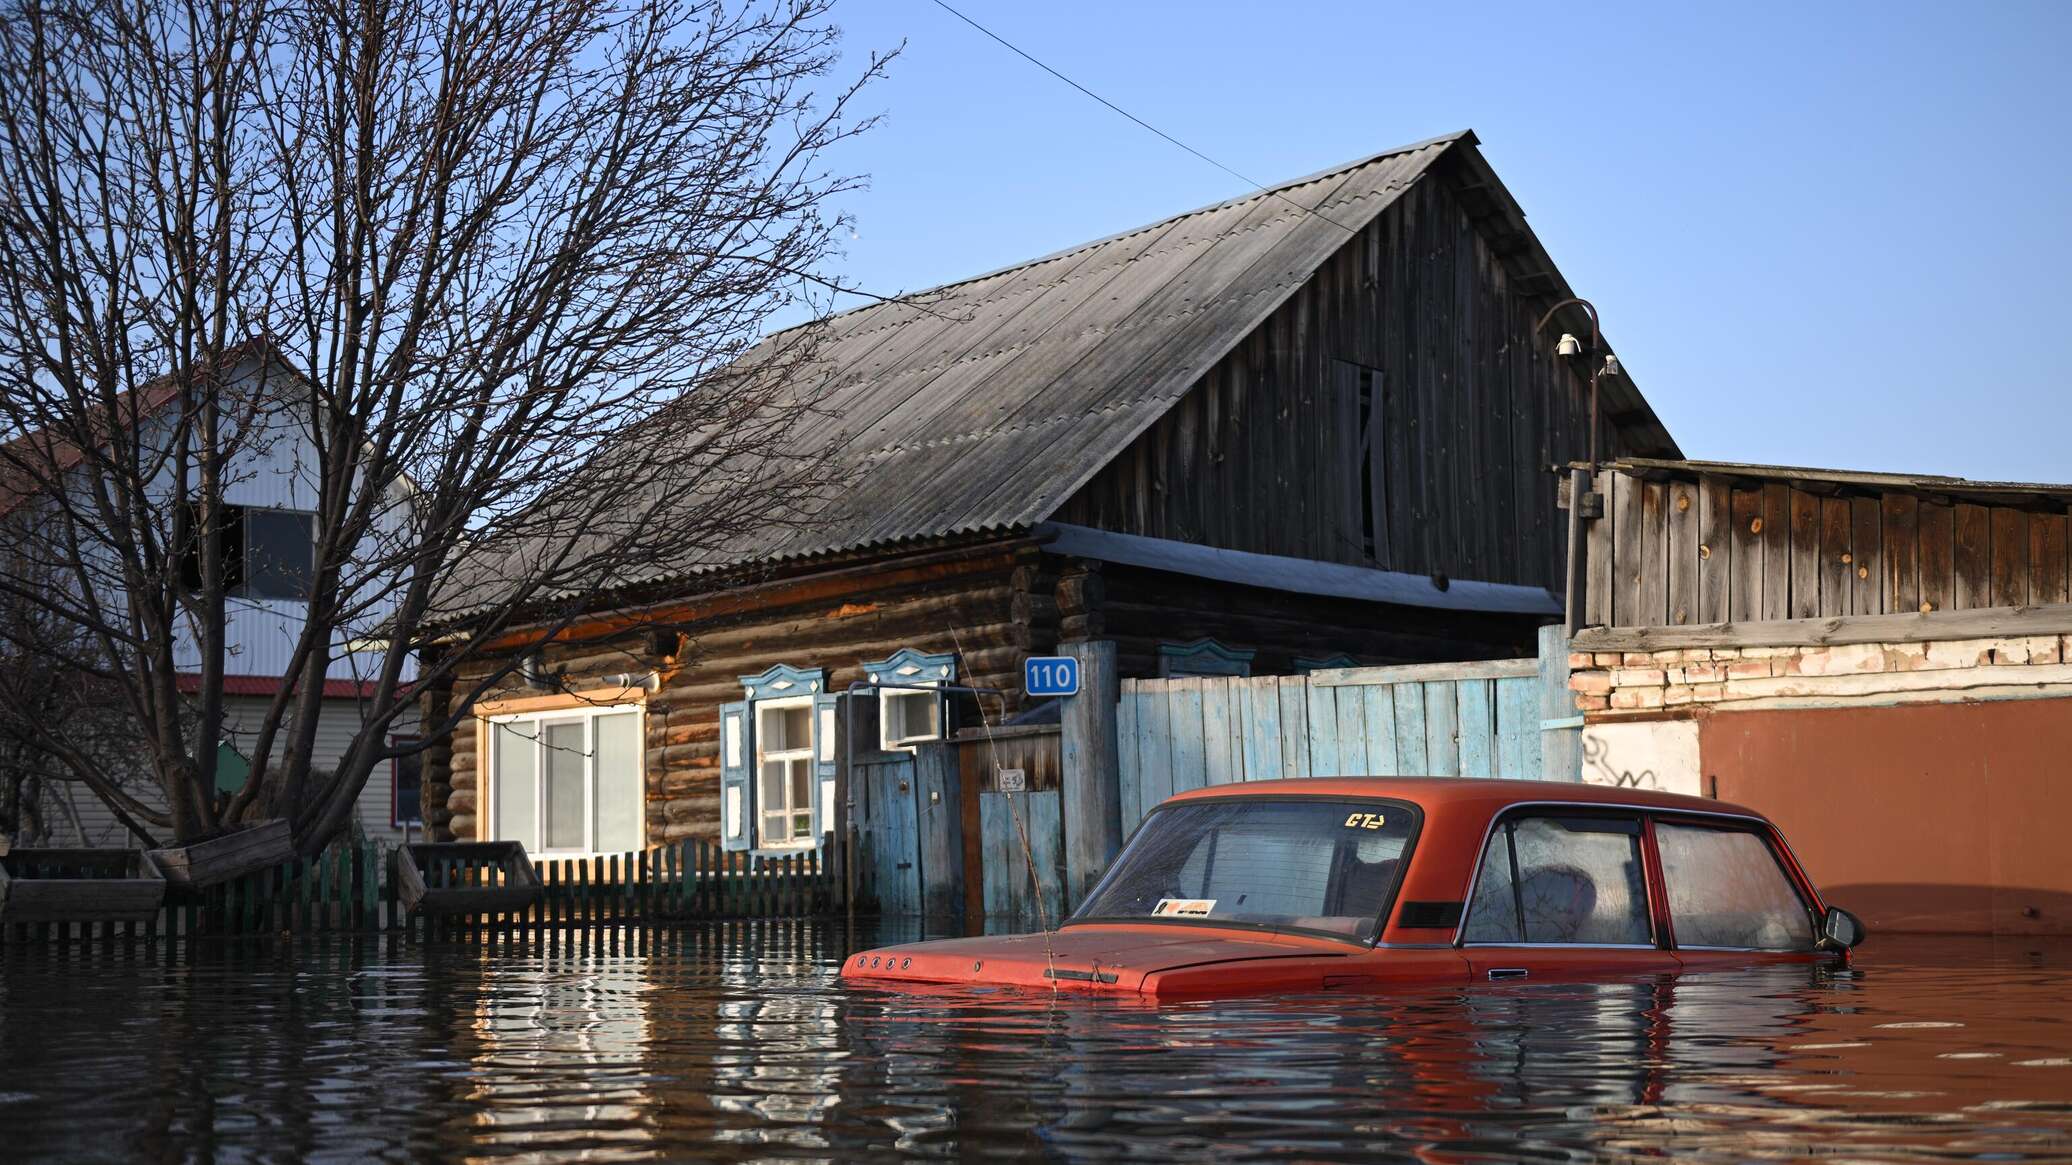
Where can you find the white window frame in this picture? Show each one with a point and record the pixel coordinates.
(808, 752)
(587, 714)
(905, 689)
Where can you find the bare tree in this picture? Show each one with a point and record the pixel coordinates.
(466, 272)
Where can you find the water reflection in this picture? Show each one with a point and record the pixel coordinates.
(735, 1042)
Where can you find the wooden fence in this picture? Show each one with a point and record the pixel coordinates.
(353, 889)
(1479, 719)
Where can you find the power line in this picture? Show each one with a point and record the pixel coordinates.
(1252, 182)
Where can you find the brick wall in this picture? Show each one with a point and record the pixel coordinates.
(1610, 684)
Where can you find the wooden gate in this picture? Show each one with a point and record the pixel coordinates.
(888, 834)
(1479, 719)
(996, 855)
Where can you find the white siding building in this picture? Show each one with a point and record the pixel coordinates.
(271, 489)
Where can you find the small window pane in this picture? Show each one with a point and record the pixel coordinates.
(514, 756)
(566, 761)
(1727, 890)
(911, 716)
(621, 786)
(786, 729)
(1493, 915)
(772, 792)
(280, 553)
(1575, 880)
(801, 784)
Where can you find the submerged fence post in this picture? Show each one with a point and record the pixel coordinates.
(1089, 769)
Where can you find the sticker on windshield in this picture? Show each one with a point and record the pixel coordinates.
(1365, 821)
(1184, 907)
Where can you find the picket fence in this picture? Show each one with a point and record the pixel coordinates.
(1476, 720)
(352, 888)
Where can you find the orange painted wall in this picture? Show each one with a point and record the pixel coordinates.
(1923, 817)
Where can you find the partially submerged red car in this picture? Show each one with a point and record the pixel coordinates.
(1360, 883)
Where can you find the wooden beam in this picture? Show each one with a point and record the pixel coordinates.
(1478, 669)
(1902, 627)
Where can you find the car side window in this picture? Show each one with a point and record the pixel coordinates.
(1548, 879)
(1727, 890)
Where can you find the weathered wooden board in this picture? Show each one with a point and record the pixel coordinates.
(1763, 549)
(1598, 587)
(1378, 702)
(1518, 728)
(466, 877)
(1223, 759)
(1654, 553)
(1805, 555)
(1475, 708)
(1866, 543)
(79, 885)
(1263, 750)
(1902, 552)
(218, 860)
(2010, 557)
(1294, 701)
(1934, 524)
(1837, 569)
(1188, 726)
(1715, 551)
(1776, 540)
(1745, 534)
(1972, 561)
(2048, 581)
(1023, 858)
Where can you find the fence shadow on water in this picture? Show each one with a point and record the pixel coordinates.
(355, 889)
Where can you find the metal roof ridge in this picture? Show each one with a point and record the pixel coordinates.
(1466, 136)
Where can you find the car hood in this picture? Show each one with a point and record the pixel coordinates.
(1094, 957)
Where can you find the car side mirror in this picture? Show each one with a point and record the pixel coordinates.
(1840, 930)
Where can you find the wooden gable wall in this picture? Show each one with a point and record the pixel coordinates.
(1466, 411)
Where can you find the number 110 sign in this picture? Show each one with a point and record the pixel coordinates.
(1050, 675)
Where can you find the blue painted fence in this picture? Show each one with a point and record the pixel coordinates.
(1474, 720)
(1022, 840)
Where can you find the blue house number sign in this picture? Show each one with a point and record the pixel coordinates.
(1050, 675)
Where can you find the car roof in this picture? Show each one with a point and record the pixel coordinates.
(1469, 793)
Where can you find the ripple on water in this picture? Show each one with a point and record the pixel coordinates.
(737, 1042)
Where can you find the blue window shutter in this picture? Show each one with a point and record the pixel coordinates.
(826, 756)
(736, 764)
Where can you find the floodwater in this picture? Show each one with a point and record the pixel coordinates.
(736, 1042)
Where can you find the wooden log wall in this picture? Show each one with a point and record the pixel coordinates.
(1447, 471)
(968, 605)
(1710, 548)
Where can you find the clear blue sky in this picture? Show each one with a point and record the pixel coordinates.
(1834, 235)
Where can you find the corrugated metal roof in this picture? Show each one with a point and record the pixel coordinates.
(984, 405)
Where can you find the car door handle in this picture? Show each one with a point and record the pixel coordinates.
(1508, 972)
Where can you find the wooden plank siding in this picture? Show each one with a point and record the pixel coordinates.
(1444, 720)
(1772, 550)
(1396, 411)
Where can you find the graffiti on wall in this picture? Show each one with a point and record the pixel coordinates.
(1651, 754)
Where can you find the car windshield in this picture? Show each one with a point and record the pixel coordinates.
(1284, 864)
